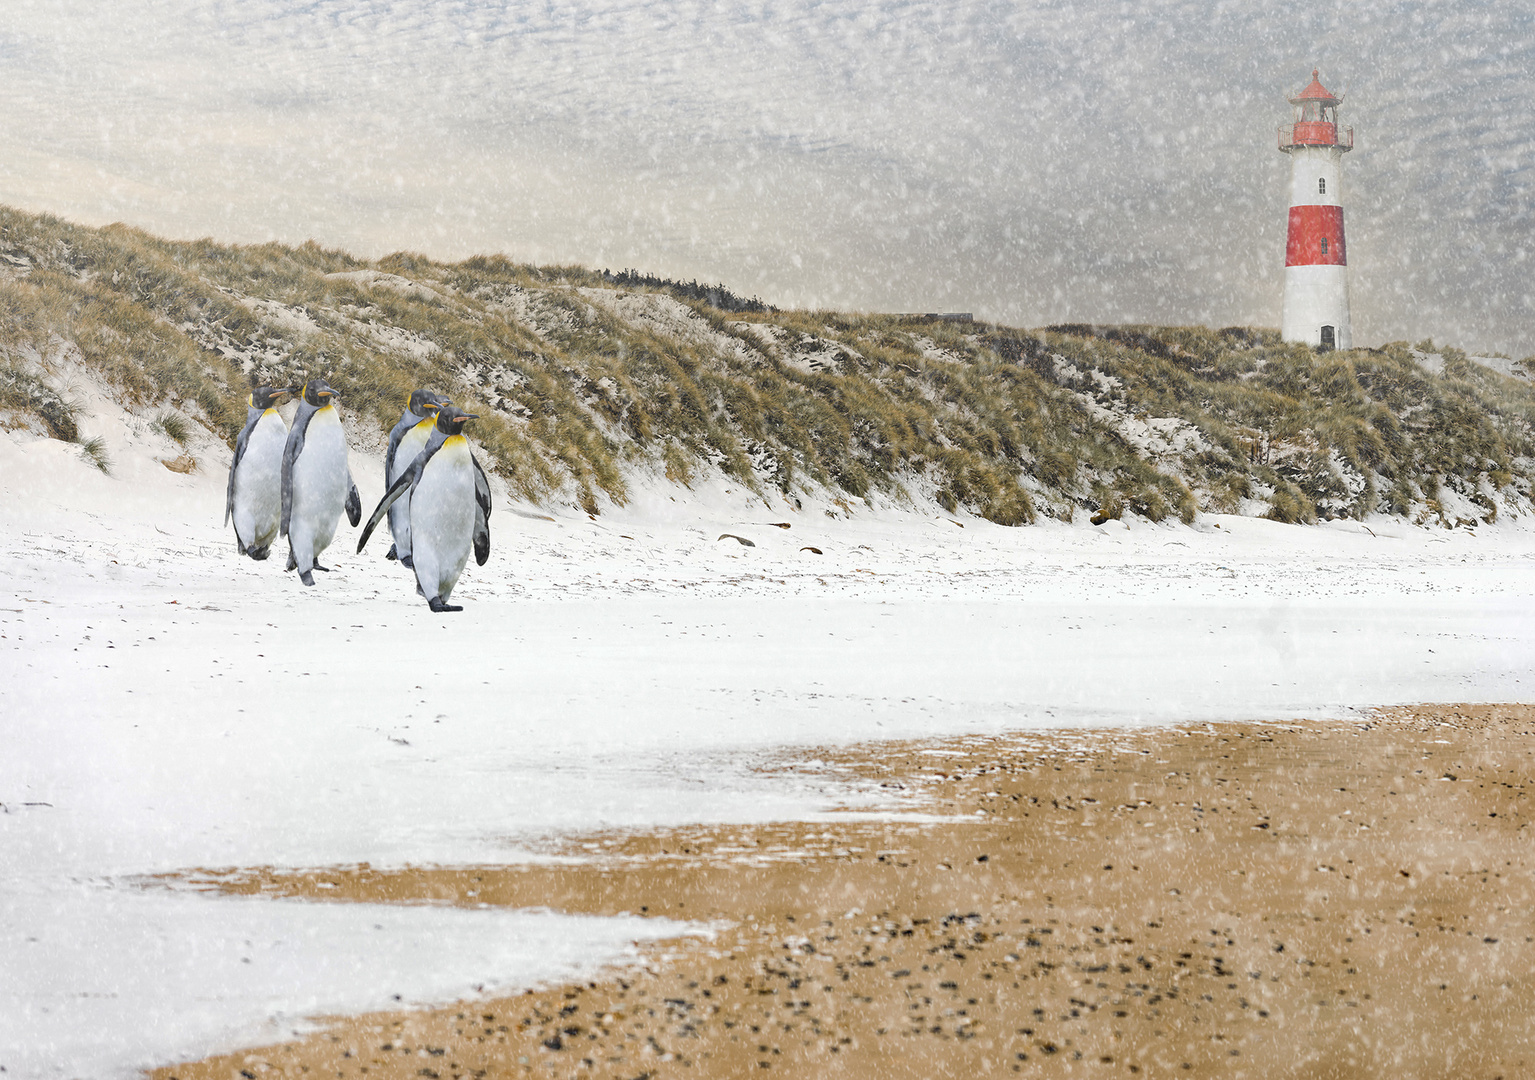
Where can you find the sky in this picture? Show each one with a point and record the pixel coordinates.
(1031, 163)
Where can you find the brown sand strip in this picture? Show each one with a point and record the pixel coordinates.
(1303, 900)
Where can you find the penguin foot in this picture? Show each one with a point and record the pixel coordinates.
(292, 562)
(437, 603)
(259, 553)
(307, 578)
(407, 562)
(317, 566)
(391, 554)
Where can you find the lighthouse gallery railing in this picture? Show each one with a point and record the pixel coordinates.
(1315, 133)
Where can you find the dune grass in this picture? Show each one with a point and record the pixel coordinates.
(578, 393)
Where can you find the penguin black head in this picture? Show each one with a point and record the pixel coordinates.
(450, 420)
(426, 403)
(269, 397)
(317, 392)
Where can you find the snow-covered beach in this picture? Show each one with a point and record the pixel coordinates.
(169, 706)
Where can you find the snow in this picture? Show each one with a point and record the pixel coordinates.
(170, 706)
(657, 312)
(377, 279)
(1514, 369)
(182, 968)
(1433, 363)
(292, 319)
(805, 352)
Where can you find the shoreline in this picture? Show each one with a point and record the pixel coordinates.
(1283, 899)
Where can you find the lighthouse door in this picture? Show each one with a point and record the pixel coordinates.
(1328, 339)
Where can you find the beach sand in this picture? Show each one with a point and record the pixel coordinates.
(1307, 899)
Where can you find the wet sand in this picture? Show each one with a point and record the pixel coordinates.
(1291, 900)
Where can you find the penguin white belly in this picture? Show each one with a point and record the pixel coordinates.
(258, 483)
(442, 518)
(411, 445)
(320, 486)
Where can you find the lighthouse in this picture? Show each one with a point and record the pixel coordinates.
(1316, 259)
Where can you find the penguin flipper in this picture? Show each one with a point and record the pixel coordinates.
(481, 486)
(481, 540)
(290, 453)
(481, 535)
(240, 444)
(396, 489)
(481, 514)
(353, 506)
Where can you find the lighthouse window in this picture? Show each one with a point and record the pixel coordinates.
(1324, 245)
(1321, 185)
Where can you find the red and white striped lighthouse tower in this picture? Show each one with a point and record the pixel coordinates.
(1316, 260)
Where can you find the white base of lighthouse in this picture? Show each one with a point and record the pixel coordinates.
(1316, 307)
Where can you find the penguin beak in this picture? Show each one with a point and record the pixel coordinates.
(468, 416)
(325, 393)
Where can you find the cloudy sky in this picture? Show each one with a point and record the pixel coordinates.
(1032, 162)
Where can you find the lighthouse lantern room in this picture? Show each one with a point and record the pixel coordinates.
(1316, 258)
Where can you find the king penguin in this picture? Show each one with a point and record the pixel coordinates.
(316, 480)
(447, 511)
(254, 499)
(406, 441)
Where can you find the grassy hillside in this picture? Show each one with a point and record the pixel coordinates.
(586, 380)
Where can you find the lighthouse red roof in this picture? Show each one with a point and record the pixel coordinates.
(1315, 91)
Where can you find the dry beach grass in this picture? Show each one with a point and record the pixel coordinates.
(583, 383)
(1310, 899)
